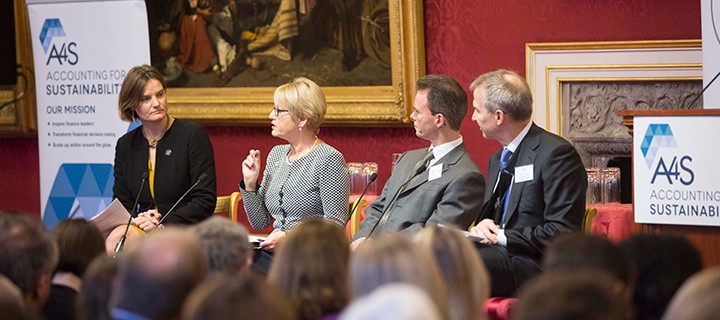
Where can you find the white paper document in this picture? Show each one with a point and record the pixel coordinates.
(113, 216)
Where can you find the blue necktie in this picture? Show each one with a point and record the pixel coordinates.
(504, 159)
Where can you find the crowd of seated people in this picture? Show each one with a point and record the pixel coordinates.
(203, 272)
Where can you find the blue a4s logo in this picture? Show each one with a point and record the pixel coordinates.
(661, 136)
(63, 52)
(678, 171)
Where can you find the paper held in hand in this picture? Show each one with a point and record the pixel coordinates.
(466, 234)
(113, 216)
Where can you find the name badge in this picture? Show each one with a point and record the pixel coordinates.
(524, 173)
(435, 172)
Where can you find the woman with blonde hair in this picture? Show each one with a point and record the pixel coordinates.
(311, 268)
(464, 272)
(304, 178)
(395, 258)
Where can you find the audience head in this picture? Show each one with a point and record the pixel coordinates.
(225, 245)
(304, 100)
(391, 258)
(572, 251)
(662, 263)
(506, 91)
(467, 279)
(393, 301)
(28, 257)
(79, 242)
(226, 297)
(133, 88)
(157, 273)
(11, 301)
(571, 295)
(697, 299)
(444, 96)
(97, 290)
(311, 268)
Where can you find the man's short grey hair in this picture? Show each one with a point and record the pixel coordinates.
(224, 243)
(507, 91)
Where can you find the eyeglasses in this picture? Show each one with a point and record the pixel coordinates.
(276, 112)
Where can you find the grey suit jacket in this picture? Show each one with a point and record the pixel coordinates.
(552, 202)
(453, 198)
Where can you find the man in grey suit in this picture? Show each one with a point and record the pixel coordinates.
(436, 185)
(538, 180)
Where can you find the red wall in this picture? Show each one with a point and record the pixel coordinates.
(463, 39)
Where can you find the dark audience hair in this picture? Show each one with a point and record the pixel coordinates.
(571, 251)
(26, 250)
(311, 269)
(698, 298)
(79, 242)
(97, 289)
(12, 305)
(158, 272)
(445, 96)
(228, 297)
(215, 236)
(571, 295)
(662, 264)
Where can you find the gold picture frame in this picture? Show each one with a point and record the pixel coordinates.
(19, 118)
(347, 106)
(381, 106)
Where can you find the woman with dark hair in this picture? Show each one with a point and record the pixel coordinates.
(166, 155)
(79, 242)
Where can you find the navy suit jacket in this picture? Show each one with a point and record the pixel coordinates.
(552, 202)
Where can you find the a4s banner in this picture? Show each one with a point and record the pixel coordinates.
(82, 50)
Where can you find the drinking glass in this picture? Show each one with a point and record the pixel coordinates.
(368, 169)
(594, 188)
(610, 185)
(395, 157)
(356, 177)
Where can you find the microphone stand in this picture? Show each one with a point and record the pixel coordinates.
(373, 176)
(200, 179)
(121, 243)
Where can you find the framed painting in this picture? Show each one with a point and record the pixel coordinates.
(223, 59)
(17, 102)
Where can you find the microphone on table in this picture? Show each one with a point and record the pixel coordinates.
(373, 176)
(200, 179)
(121, 243)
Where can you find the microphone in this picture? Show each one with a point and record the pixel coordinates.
(692, 103)
(373, 176)
(121, 243)
(200, 179)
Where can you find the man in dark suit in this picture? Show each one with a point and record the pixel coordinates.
(538, 180)
(436, 185)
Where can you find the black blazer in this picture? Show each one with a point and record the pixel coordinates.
(183, 154)
(552, 202)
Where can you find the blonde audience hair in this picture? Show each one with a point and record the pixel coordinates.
(465, 274)
(311, 268)
(697, 298)
(304, 100)
(395, 258)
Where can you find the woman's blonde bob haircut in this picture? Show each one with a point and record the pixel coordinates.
(132, 89)
(304, 100)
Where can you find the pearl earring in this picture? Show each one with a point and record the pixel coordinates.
(300, 128)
